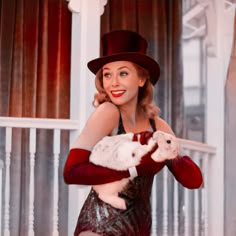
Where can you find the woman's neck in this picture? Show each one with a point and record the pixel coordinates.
(134, 120)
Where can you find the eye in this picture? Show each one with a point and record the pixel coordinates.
(123, 73)
(106, 75)
(168, 141)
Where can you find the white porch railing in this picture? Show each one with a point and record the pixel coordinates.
(184, 212)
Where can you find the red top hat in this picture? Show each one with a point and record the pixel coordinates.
(125, 45)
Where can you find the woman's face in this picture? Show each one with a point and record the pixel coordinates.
(121, 82)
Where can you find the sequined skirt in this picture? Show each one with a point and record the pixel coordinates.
(103, 219)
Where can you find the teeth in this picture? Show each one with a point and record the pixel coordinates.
(117, 92)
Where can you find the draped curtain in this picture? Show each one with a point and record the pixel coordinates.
(35, 41)
(160, 22)
(35, 58)
(230, 147)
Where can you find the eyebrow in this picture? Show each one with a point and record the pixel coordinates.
(120, 68)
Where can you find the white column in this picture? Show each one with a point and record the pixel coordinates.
(85, 46)
(216, 75)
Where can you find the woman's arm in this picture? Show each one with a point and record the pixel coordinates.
(183, 168)
(78, 169)
(185, 172)
(103, 121)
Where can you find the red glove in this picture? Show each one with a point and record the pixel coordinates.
(78, 170)
(147, 166)
(185, 172)
(183, 168)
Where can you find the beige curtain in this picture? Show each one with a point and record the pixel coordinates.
(230, 142)
(34, 82)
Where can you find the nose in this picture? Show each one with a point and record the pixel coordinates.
(114, 82)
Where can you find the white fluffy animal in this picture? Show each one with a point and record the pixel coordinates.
(120, 152)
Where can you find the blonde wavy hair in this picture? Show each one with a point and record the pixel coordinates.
(145, 95)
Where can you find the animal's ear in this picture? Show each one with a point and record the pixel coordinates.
(156, 134)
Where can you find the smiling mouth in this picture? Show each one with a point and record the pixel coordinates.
(117, 94)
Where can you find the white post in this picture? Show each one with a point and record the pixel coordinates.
(165, 203)
(8, 149)
(176, 209)
(85, 46)
(56, 154)
(32, 151)
(216, 75)
(1, 191)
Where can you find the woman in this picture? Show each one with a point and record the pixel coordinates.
(125, 76)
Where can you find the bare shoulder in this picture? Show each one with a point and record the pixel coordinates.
(106, 114)
(107, 109)
(162, 125)
(104, 118)
(101, 123)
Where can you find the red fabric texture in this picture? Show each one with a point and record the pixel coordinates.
(185, 172)
(78, 169)
(147, 166)
(183, 168)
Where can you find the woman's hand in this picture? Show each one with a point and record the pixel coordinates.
(183, 168)
(147, 165)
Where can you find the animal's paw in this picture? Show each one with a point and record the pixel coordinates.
(109, 193)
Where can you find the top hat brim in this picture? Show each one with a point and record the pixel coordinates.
(139, 58)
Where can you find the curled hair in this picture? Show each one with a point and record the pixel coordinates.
(145, 95)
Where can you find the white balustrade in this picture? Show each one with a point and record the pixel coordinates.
(195, 203)
(33, 125)
(194, 209)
